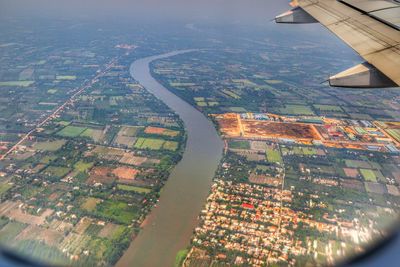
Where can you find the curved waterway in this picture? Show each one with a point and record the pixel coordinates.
(169, 226)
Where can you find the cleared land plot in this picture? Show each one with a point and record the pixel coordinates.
(263, 129)
(258, 145)
(81, 226)
(229, 124)
(131, 159)
(263, 179)
(125, 173)
(11, 210)
(122, 140)
(129, 130)
(48, 236)
(393, 190)
(96, 135)
(71, 131)
(350, 172)
(107, 153)
(101, 175)
(49, 145)
(161, 131)
(90, 203)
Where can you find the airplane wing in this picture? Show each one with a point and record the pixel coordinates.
(370, 27)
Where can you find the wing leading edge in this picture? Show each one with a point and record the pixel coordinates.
(370, 27)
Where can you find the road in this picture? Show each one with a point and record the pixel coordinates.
(61, 108)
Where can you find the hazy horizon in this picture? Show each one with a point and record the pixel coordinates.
(226, 11)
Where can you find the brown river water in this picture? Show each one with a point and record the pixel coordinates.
(169, 226)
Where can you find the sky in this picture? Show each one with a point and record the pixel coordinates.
(245, 11)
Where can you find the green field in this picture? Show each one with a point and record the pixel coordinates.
(329, 108)
(17, 83)
(4, 188)
(66, 77)
(71, 131)
(117, 211)
(357, 164)
(368, 175)
(296, 110)
(201, 104)
(237, 109)
(10, 231)
(213, 103)
(56, 171)
(133, 188)
(149, 143)
(307, 151)
(274, 156)
(87, 133)
(180, 257)
(171, 145)
(239, 144)
(83, 166)
(50, 145)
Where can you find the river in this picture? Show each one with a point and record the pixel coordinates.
(169, 226)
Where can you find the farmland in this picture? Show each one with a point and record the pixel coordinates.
(76, 189)
(17, 83)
